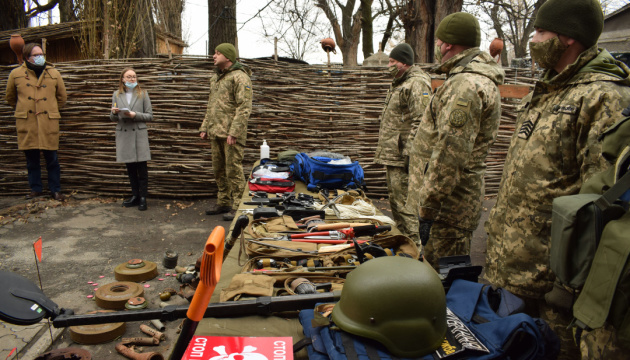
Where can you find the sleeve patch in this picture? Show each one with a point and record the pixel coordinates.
(458, 118)
(463, 102)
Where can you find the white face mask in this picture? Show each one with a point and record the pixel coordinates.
(39, 60)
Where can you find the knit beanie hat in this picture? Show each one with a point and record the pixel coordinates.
(582, 20)
(227, 50)
(459, 29)
(403, 53)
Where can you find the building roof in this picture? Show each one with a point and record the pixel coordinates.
(617, 12)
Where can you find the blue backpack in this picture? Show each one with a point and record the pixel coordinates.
(318, 173)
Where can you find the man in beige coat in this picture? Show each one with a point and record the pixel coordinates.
(36, 91)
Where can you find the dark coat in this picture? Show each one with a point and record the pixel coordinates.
(132, 137)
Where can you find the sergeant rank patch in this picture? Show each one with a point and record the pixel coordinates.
(458, 118)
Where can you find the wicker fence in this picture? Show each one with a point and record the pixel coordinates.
(298, 107)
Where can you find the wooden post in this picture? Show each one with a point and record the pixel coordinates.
(236, 46)
(44, 45)
(106, 30)
(168, 48)
(275, 48)
(328, 54)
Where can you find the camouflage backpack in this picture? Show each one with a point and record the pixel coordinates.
(604, 275)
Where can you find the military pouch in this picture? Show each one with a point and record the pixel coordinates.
(247, 285)
(576, 229)
(606, 293)
(283, 260)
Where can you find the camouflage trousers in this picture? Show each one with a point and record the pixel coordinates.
(446, 240)
(602, 344)
(228, 172)
(558, 322)
(397, 187)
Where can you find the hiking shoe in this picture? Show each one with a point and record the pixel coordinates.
(229, 216)
(218, 210)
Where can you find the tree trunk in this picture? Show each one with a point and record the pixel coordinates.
(420, 19)
(66, 11)
(367, 28)
(496, 24)
(222, 23)
(346, 35)
(13, 15)
(145, 33)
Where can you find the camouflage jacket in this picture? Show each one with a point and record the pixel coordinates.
(554, 149)
(229, 104)
(406, 99)
(452, 141)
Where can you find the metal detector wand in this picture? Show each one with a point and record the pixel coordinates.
(209, 277)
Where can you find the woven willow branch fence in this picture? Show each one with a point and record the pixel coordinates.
(295, 106)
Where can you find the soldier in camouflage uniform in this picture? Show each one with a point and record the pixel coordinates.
(451, 144)
(406, 99)
(225, 124)
(554, 149)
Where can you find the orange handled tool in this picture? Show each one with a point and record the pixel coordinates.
(209, 277)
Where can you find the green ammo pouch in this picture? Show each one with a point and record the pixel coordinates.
(577, 223)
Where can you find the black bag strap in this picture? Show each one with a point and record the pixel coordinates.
(611, 195)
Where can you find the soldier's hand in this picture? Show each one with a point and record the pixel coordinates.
(203, 135)
(231, 140)
(424, 230)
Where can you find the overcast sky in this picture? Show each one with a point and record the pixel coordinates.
(251, 41)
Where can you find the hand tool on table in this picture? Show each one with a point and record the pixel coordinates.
(283, 248)
(334, 236)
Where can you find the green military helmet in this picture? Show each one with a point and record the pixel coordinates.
(397, 301)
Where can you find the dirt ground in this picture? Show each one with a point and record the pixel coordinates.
(86, 237)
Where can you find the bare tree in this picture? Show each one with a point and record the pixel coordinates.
(348, 32)
(390, 9)
(610, 6)
(295, 23)
(13, 15)
(420, 19)
(126, 29)
(367, 28)
(67, 11)
(513, 21)
(168, 15)
(221, 23)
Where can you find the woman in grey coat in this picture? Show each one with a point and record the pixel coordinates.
(131, 109)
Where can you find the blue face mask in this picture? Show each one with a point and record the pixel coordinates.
(39, 60)
(130, 85)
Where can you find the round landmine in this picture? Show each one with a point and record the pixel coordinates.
(136, 270)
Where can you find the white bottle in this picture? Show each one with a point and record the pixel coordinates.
(264, 150)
